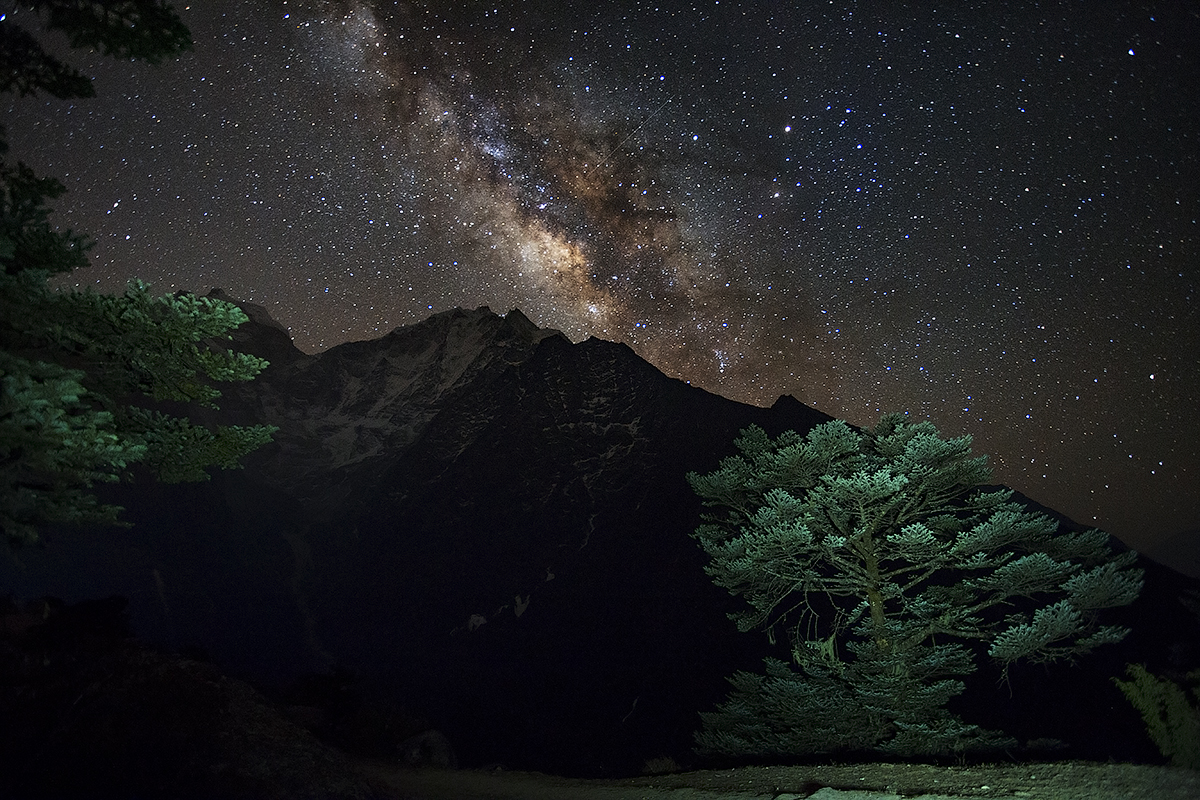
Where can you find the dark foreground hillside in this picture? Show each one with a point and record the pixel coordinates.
(474, 526)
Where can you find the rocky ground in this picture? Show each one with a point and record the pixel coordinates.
(1052, 781)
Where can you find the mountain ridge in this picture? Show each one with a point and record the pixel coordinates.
(487, 524)
(367, 400)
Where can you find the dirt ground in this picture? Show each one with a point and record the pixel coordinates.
(1052, 781)
(1056, 781)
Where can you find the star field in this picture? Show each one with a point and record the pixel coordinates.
(981, 213)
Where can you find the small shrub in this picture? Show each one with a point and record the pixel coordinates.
(1172, 720)
(660, 766)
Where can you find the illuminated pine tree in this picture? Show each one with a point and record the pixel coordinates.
(879, 557)
(81, 372)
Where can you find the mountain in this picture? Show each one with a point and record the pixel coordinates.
(475, 522)
(1181, 550)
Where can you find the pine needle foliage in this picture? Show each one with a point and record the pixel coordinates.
(148, 30)
(83, 375)
(880, 558)
(1172, 718)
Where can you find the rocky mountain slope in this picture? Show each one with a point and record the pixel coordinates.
(477, 523)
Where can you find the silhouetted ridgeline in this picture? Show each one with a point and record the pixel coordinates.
(488, 526)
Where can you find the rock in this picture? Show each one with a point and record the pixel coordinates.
(428, 749)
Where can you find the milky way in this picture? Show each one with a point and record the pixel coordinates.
(984, 214)
(584, 196)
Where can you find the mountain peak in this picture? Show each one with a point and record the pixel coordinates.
(257, 314)
(481, 323)
(262, 335)
(787, 402)
(517, 319)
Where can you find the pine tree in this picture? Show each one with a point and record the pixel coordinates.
(884, 563)
(143, 29)
(82, 372)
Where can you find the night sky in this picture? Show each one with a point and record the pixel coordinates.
(981, 213)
